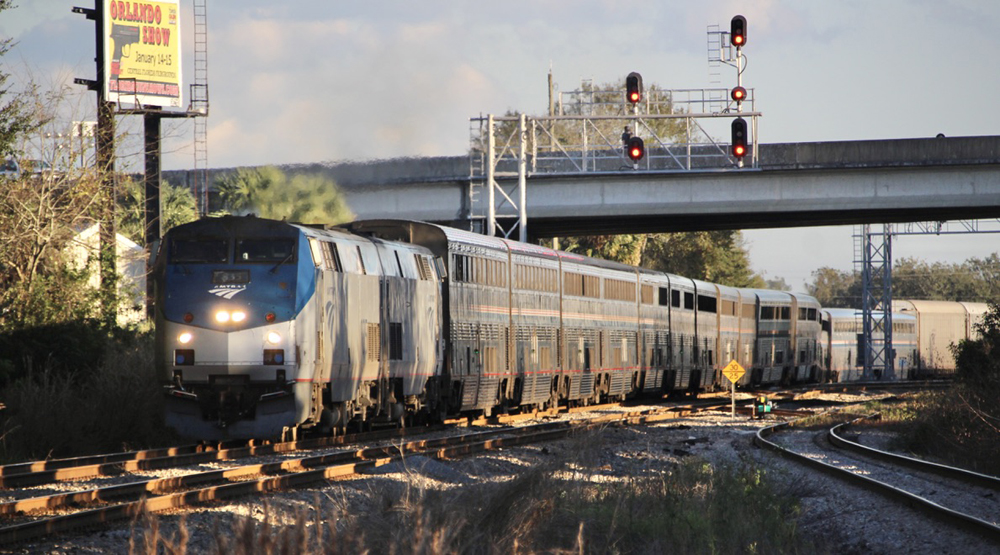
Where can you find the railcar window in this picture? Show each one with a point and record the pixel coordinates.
(395, 341)
(813, 314)
(592, 287)
(707, 304)
(265, 250)
(199, 251)
(647, 294)
(332, 256)
(786, 313)
(767, 313)
(361, 261)
(399, 265)
(664, 296)
(803, 313)
(316, 248)
(675, 298)
(619, 290)
(689, 300)
(573, 284)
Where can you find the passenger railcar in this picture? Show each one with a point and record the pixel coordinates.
(807, 328)
(940, 324)
(844, 347)
(268, 328)
(774, 336)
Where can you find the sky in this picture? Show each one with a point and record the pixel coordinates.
(326, 81)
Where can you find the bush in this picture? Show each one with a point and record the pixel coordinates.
(73, 349)
(60, 408)
(961, 426)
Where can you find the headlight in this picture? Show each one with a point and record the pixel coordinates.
(239, 315)
(273, 337)
(184, 338)
(222, 316)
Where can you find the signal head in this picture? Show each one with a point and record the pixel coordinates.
(633, 87)
(636, 149)
(738, 31)
(740, 138)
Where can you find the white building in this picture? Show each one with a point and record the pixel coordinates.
(84, 248)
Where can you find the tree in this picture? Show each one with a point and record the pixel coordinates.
(16, 115)
(267, 191)
(716, 256)
(834, 288)
(777, 284)
(970, 416)
(975, 280)
(607, 99)
(177, 206)
(627, 249)
(38, 219)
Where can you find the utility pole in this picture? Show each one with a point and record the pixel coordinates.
(151, 131)
(105, 171)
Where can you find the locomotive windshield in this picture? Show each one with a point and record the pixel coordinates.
(194, 251)
(265, 250)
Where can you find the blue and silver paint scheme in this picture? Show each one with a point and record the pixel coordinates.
(240, 376)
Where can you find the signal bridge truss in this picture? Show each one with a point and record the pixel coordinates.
(507, 150)
(873, 252)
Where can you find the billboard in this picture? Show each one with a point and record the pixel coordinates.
(142, 53)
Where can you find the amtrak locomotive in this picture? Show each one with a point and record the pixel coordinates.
(268, 329)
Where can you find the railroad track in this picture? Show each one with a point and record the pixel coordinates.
(960, 497)
(34, 517)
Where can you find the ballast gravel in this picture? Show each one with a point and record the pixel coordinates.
(841, 517)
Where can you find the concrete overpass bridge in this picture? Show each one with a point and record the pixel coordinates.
(794, 185)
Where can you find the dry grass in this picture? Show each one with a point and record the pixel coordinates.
(563, 504)
(57, 414)
(958, 427)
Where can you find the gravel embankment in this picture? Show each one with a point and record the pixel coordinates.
(844, 518)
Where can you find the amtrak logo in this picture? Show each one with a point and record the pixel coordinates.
(228, 291)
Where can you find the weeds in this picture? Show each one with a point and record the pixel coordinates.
(565, 504)
(117, 406)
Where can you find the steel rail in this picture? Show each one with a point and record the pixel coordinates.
(955, 473)
(964, 521)
(293, 473)
(45, 472)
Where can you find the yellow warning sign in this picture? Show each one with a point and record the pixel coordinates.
(733, 371)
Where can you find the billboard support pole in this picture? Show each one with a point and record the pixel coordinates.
(151, 128)
(105, 166)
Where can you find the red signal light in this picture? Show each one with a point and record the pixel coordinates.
(739, 137)
(636, 149)
(739, 94)
(633, 87)
(738, 31)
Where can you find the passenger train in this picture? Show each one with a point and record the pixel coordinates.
(271, 329)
